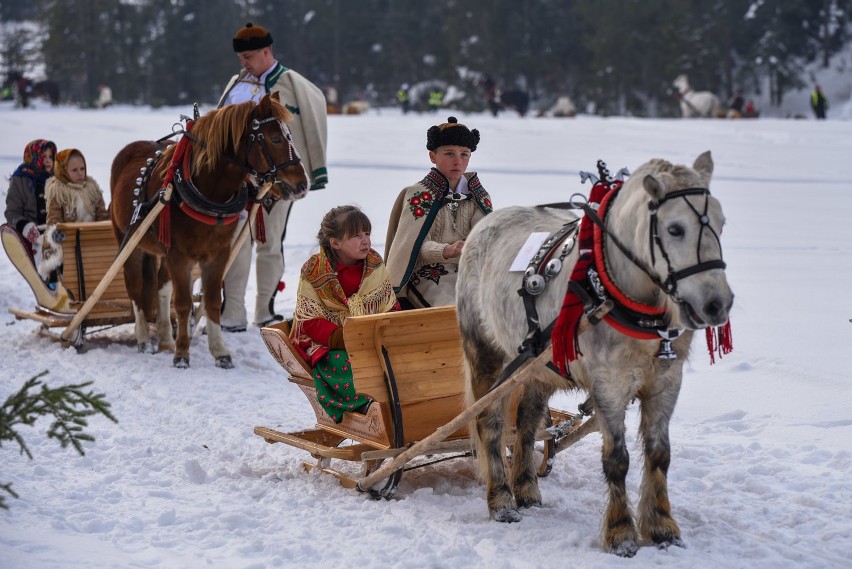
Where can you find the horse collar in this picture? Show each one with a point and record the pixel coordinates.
(629, 316)
(194, 204)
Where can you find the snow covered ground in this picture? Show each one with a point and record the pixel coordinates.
(761, 473)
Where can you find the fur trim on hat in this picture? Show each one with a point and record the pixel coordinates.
(451, 133)
(251, 38)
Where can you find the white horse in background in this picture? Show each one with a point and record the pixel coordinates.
(696, 103)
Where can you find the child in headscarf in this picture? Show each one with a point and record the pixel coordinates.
(26, 208)
(346, 278)
(71, 194)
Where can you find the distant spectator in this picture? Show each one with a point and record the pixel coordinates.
(436, 99)
(750, 112)
(104, 96)
(819, 102)
(404, 98)
(736, 104)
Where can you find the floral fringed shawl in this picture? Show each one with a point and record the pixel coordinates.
(321, 296)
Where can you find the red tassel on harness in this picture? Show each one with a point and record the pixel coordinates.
(260, 227)
(719, 341)
(165, 220)
(566, 347)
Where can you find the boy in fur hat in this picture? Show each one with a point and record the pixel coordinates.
(262, 74)
(431, 219)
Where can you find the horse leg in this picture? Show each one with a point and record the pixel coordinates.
(138, 272)
(655, 520)
(211, 284)
(164, 311)
(179, 269)
(482, 365)
(531, 412)
(619, 532)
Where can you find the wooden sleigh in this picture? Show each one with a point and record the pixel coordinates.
(88, 252)
(410, 362)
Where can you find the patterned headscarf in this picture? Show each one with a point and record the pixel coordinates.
(60, 164)
(33, 164)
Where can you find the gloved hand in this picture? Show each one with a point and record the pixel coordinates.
(31, 232)
(335, 340)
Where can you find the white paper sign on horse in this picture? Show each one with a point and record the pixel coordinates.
(528, 250)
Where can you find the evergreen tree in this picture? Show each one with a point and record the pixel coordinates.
(69, 405)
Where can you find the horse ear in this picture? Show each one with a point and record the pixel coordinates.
(704, 165)
(274, 95)
(653, 187)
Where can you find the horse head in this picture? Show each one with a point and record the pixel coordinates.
(681, 241)
(681, 83)
(270, 151)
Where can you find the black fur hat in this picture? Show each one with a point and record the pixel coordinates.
(451, 133)
(251, 38)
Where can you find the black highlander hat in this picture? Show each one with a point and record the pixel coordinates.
(451, 133)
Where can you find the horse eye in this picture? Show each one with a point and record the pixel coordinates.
(675, 230)
(277, 139)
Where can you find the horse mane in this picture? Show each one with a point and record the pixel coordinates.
(221, 130)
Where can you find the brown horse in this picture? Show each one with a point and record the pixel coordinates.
(214, 169)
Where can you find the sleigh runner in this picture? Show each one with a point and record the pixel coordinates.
(410, 363)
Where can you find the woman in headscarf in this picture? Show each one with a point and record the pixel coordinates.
(26, 207)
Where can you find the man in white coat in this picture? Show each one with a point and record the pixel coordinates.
(262, 73)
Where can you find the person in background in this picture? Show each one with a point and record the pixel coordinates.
(431, 219)
(71, 194)
(104, 96)
(436, 99)
(404, 98)
(262, 73)
(736, 104)
(345, 278)
(819, 102)
(26, 207)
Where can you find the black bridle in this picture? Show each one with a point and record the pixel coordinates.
(258, 137)
(669, 285)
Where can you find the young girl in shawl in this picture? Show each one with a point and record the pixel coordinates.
(71, 194)
(346, 278)
(26, 208)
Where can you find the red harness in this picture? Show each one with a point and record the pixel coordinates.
(592, 259)
(182, 157)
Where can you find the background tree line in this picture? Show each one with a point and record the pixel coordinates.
(619, 55)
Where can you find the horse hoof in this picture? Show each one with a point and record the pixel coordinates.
(224, 362)
(506, 515)
(181, 362)
(626, 548)
(674, 541)
(147, 348)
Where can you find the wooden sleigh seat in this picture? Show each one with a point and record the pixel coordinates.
(410, 362)
(412, 369)
(88, 251)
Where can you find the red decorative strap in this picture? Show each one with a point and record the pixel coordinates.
(564, 336)
(181, 151)
(260, 228)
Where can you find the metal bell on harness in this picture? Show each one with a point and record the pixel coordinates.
(666, 350)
